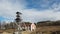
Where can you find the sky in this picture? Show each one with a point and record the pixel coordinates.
(32, 10)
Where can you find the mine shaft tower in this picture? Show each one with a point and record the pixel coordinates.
(18, 17)
(18, 21)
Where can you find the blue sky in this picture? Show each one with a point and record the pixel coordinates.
(41, 4)
(1, 18)
(32, 10)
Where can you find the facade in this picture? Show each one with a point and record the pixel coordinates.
(33, 27)
(25, 26)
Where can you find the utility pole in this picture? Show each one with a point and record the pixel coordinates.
(18, 21)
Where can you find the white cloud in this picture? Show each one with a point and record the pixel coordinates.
(8, 10)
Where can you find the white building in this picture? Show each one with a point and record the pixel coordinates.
(33, 27)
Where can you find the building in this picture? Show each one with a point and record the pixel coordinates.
(33, 27)
(26, 26)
